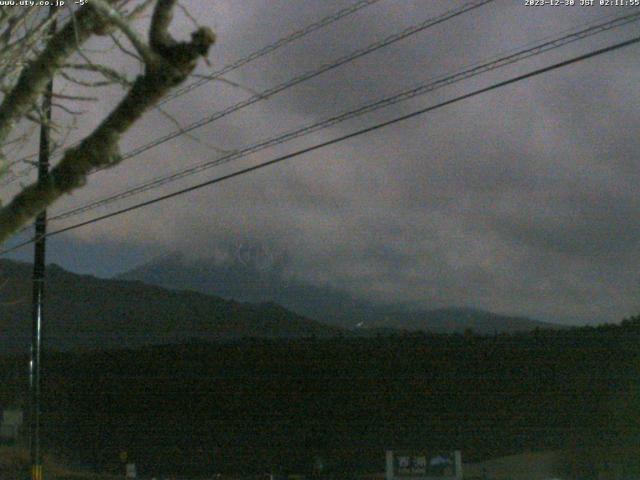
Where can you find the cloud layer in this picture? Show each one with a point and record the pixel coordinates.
(521, 201)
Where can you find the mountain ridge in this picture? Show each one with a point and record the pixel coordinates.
(85, 312)
(252, 280)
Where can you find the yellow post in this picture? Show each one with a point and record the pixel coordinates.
(36, 472)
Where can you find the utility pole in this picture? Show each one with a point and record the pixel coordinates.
(38, 283)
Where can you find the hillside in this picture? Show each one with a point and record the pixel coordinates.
(273, 405)
(256, 279)
(450, 320)
(87, 312)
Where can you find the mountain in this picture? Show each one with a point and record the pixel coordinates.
(85, 312)
(453, 319)
(251, 277)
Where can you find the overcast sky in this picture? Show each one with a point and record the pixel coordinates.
(519, 201)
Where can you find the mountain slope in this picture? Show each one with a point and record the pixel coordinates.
(87, 312)
(458, 319)
(250, 280)
(253, 280)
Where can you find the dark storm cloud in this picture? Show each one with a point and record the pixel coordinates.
(522, 201)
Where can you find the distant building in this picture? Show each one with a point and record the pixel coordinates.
(11, 424)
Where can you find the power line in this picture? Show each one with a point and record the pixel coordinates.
(407, 32)
(339, 139)
(323, 22)
(270, 48)
(441, 82)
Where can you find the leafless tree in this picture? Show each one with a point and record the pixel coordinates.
(31, 53)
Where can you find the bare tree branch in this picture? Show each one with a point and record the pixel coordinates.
(170, 63)
(124, 49)
(36, 75)
(147, 54)
(189, 135)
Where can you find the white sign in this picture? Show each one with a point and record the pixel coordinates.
(423, 465)
(131, 470)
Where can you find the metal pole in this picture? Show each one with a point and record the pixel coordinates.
(38, 286)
